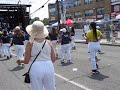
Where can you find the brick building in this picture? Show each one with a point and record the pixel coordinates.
(89, 9)
(115, 8)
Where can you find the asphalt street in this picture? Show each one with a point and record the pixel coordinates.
(74, 76)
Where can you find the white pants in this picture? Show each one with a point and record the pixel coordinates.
(1, 49)
(72, 41)
(20, 49)
(42, 75)
(113, 39)
(93, 48)
(55, 46)
(65, 49)
(6, 49)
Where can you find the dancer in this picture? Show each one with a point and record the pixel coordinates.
(6, 43)
(53, 36)
(65, 46)
(72, 33)
(93, 36)
(18, 41)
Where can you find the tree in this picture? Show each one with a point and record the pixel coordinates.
(46, 21)
(34, 19)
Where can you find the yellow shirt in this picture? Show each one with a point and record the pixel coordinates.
(1, 32)
(90, 35)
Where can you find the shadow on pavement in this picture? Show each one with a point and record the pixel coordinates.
(17, 68)
(4, 59)
(98, 76)
(66, 64)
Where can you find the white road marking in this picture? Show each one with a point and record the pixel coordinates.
(72, 82)
(13, 54)
(75, 69)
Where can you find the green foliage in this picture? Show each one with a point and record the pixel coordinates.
(34, 19)
(46, 21)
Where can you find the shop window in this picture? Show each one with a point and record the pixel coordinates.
(87, 1)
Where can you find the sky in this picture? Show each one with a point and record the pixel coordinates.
(42, 13)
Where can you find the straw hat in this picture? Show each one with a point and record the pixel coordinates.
(37, 30)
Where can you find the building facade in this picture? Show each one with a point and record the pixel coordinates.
(115, 8)
(89, 9)
(82, 10)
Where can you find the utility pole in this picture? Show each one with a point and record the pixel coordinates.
(58, 14)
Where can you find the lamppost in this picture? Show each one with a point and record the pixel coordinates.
(95, 13)
(58, 14)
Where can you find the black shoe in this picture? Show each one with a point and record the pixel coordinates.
(95, 71)
(8, 57)
(74, 48)
(99, 51)
(97, 66)
(62, 62)
(69, 61)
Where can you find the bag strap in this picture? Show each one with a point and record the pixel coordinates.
(36, 56)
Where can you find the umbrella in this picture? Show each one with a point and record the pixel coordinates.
(69, 22)
(118, 16)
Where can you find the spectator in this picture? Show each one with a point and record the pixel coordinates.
(42, 70)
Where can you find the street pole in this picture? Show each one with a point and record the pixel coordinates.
(58, 14)
(95, 13)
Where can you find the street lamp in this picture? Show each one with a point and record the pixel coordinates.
(95, 13)
(58, 14)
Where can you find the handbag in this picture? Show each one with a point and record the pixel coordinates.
(27, 77)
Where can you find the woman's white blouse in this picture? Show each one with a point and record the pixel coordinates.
(45, 52)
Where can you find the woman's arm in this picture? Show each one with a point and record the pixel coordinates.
(27, 54)
(100, 37)
(85, 37)
(52, 51)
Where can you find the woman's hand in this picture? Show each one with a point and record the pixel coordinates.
(18, 62)
(83, 34)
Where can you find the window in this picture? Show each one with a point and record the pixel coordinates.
(98, 0)
(77, 14)
(87, 1)
(116, 8)
(114, 1)
(88, 12)
(77, 3)
(100, 11)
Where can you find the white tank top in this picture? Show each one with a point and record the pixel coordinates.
(45, 52)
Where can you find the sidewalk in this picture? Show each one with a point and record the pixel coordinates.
(102, 42)
(79, 39)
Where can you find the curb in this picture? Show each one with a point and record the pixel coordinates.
(107, 44)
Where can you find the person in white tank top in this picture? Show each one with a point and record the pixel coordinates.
(42, 70)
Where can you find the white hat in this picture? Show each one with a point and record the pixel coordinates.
(97, 27)
(61, 30)
(37, 30)
(64, 30)
(16, 28)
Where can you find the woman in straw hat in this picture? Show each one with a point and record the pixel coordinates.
(18, 41)
(42, 70)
